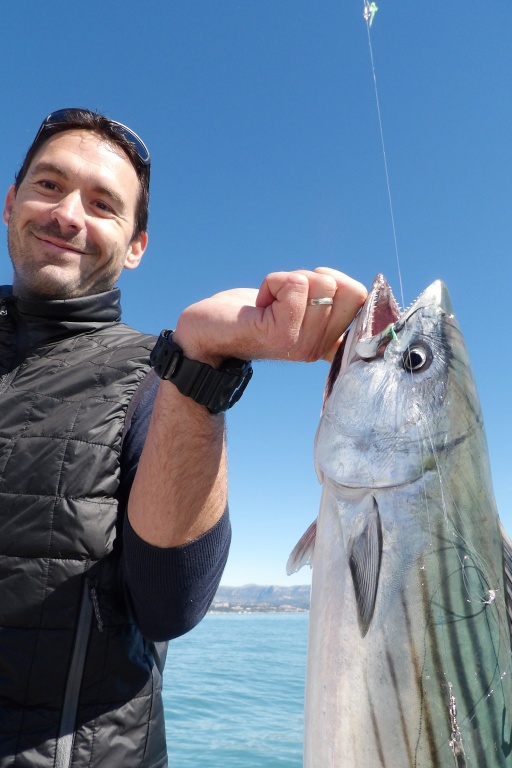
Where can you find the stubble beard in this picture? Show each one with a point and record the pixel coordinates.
(36, 280)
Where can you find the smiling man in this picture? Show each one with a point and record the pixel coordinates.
(114, 528)
(71, 218)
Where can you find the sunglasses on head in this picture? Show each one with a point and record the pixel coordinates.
(61, 116)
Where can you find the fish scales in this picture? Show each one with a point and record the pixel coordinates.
(409, 635)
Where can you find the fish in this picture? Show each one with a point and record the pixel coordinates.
(409, 639)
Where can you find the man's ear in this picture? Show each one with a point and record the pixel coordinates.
(9, 202)
(136, 250)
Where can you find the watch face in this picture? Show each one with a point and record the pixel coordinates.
(165, 356)
(228, 386)
(240, 386)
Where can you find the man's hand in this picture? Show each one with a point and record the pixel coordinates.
(275, 322)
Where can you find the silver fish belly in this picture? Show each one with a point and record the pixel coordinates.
(409, 651)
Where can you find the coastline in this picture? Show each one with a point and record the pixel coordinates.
(254, 598)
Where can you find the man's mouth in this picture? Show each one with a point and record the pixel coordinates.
(60, 245)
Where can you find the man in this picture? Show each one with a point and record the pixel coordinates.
(113, 525)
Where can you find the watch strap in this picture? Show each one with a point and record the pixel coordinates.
(218, 389)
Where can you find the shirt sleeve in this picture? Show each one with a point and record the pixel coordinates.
(170, 589)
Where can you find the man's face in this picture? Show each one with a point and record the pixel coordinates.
(70, 224)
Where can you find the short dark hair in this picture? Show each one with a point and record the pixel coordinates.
(113, 132)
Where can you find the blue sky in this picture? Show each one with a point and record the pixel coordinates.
(262, 123)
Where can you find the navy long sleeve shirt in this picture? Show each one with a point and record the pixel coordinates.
(170, 588)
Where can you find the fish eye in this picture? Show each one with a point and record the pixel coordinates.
(417, 358)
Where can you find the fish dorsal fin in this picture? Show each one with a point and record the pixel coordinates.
(507, 567)
(302, 553)
(365, 552)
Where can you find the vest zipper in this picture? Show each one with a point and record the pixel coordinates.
(69, 708)
(95, 604)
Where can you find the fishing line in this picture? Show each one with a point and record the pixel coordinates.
(476, 584)
(444, 639)
(369, 19)
(369, 13)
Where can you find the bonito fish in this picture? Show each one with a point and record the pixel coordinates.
(409, 654)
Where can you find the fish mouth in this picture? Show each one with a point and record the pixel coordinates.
(379, 320)
(379, 311)
(347, 488)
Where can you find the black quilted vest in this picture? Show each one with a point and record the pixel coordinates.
(79, 685)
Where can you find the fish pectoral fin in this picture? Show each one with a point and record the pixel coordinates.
(302, 553)
(507, 568)
(364, 553)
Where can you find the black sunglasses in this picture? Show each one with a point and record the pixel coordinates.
(66, 116)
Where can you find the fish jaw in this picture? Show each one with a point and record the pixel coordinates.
(380, 319)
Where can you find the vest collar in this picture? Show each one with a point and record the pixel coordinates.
(40, 322)
(99, 308)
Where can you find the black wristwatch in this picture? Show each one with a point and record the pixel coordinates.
(217, 389)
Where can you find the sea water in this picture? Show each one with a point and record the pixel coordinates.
(234, 692)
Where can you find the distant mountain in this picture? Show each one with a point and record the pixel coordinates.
(253, 598)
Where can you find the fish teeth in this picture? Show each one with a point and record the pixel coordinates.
(408, 307)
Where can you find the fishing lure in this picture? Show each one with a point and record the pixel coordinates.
(370, 9)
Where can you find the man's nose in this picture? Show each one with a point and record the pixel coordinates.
(69, 211)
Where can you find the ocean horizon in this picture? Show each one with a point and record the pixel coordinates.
(234, 692)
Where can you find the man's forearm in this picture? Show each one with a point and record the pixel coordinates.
(180, 488)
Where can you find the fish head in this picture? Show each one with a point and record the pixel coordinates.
(400, 390)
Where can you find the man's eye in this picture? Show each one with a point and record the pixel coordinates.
(103, 206)
(51, 185)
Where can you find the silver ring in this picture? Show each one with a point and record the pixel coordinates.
(325, 301)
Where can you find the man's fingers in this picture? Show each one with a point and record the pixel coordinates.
(325, 323)
(278, 321)
(350, 294)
